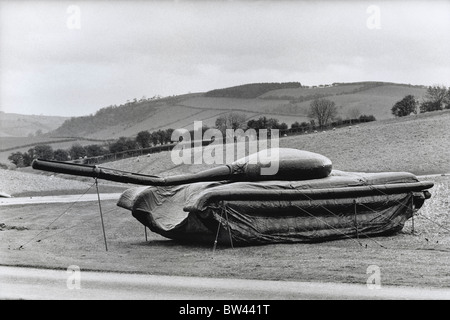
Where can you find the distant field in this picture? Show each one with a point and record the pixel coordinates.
(12, 142)
(295, 93)
(168, 117)
(19, 125)
(249, 105)
(376, 101)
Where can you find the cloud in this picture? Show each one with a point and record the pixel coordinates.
(130, 49)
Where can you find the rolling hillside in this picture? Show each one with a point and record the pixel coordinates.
(369, 98)
(288, 104)
(19, 125)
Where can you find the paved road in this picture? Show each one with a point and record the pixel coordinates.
(58, 199)
(433, 175)
(32, 283)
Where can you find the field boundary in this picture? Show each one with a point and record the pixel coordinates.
(61, 139)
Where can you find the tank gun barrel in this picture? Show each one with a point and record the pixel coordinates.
(215, 174)
(290, 164)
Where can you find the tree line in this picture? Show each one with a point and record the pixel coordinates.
(436, 98)
(322, 113)
(321, 110)
(144, 139)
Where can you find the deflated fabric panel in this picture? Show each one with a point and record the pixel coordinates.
(161, 208)
(190, 213)
(128, 198)
(308, 221)
(337, 179)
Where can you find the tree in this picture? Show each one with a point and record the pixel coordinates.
(447, 100)
(28, 157)
(429, 106)
(154, 137)
(61, 155)
(77, 151)
(122, 144)
(43, 151)
(365, 118)
(130, 144)
(273, 123)
(354, 113)
(323, 110)
(405, 107)
(94, 150)
(16, 158)
(165, 136)
(198, 132)
(168, 136)
(436, 98)
(143, 138)
(161, 136)
(261, 123)
(267, 123)
(283, 126)
(338, 121)
(232, 120)
(295, 125)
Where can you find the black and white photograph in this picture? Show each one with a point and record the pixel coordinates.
(222, 158)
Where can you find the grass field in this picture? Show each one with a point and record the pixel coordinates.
(418, 144)
(376, 101)
(295, 93)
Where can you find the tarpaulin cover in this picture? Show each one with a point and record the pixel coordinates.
(339, 206)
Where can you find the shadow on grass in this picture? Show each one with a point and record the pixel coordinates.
(173, 244)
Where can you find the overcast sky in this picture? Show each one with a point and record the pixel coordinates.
(73, 58)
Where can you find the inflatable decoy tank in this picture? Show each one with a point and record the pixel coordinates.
(306, 200)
